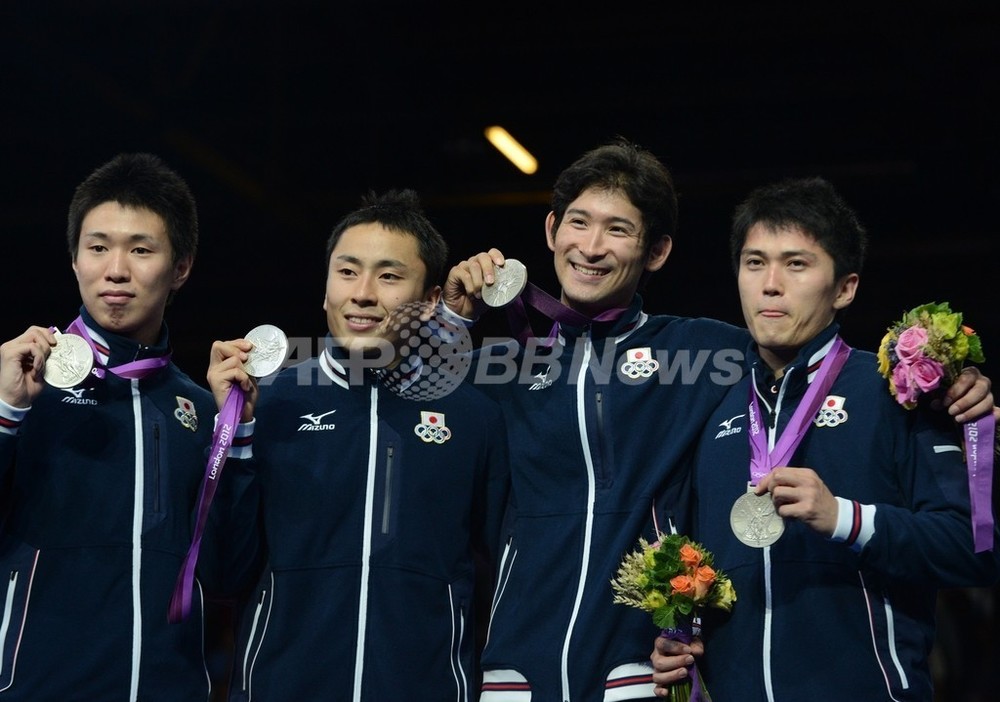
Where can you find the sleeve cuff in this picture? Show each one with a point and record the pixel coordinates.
(242, 444)
(454, 317)
(11, 418)
(855, 523)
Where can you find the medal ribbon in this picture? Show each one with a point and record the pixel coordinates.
(979, 461)
(133, 371)
(222, 439)
(549, 306)
(761, 461)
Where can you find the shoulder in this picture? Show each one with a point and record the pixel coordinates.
(182, 380)
(703, 331)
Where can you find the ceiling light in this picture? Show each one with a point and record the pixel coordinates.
(509, 147)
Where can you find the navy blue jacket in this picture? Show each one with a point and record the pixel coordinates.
(373, 510)
(598, 436)
(831, 618)
(99, 483)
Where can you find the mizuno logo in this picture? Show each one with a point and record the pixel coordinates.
(315, 422)
(542, 380)
(77, 397)
(728, 428)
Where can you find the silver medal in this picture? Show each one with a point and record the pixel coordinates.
(69, 362)
(270, 346)
(509, 281)
(755, 521)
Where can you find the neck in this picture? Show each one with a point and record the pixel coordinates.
(777, 360)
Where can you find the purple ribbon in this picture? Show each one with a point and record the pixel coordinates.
(979, 461)
(222, 439)
(517, 314)
(761, 461)
(135, 370)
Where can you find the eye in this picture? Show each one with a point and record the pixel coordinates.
(390, 276)
(346, 272)
(753, 262)
(142, 250)
(797, 264)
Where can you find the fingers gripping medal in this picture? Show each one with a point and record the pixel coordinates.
(69, 362)
(270, 347)
(509, 282)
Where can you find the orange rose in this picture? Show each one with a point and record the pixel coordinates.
(682, 585)
(690, 556)
(704, 576)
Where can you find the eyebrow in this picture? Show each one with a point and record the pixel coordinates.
(131, 238)
(793, 253)
(382, 263)
(586, 213)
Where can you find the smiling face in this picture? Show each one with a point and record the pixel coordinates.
(125, 269)
(788, 290)
(372, 272)
(598, 252)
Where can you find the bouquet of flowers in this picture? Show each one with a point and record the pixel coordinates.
(672, 579)
(925, 350)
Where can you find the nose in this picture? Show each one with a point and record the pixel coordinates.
(772, 280)
(592, 244)
(364, 290)
(117, 266)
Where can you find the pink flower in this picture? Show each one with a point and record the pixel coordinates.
(910, 343)
(926, 373)
(906, 391)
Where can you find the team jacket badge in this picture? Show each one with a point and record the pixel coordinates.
(831, 412)
(185, 413)
(639, 363)
(432, 428)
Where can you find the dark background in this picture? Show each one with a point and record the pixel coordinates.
(281, 115)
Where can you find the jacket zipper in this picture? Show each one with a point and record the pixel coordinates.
(388, 491)
(156, 468)
(599, 469)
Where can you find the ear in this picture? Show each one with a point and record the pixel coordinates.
(659, 253)
(846, 291)
(182, 269)
(431, 299)
(550, 233)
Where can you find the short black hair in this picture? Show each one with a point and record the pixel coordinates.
(399, 211)
(625, 167)
(811, 204)
(139, 181)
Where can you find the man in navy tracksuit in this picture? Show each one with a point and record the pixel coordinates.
(874, 499)
(99, 480)
(370, 497)
(600, 417)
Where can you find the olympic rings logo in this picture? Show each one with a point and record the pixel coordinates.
(431, 434)
(640, 369)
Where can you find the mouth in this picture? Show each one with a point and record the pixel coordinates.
(116, 297)
(588, 271)
(362, 323)
(771, 314)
